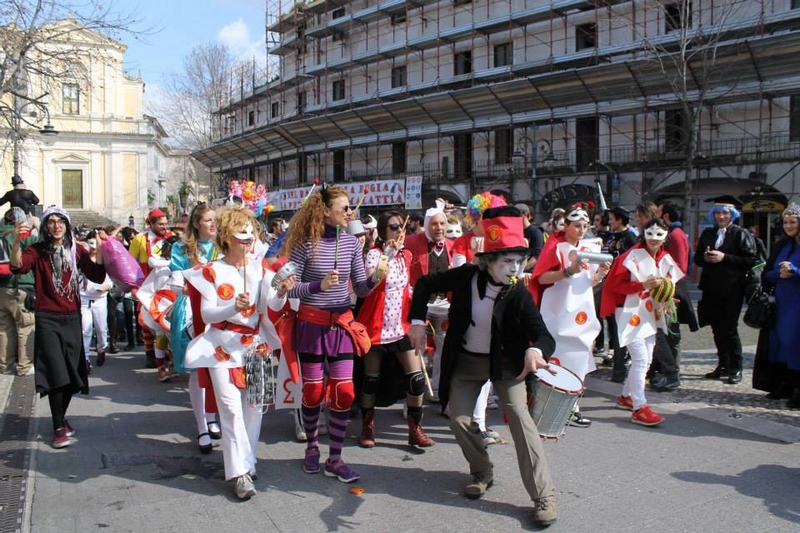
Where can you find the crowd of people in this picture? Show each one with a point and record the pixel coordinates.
(462, 306)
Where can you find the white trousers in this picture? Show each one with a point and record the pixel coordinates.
(94, 318)
(438, 341)
(641, 351)
(241, 425)
(479, 413)
(197, 396)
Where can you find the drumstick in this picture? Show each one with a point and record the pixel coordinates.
(244, 268)
(336, 250)
(361, 200)
(425, 373)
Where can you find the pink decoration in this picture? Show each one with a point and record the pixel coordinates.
(120, 266)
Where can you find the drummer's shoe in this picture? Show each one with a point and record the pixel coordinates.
(578, 420)
(625, 402)
(367, 437)
(417, 437)
(544, 512)
(734, 377)
(644, 416)
(479, 485)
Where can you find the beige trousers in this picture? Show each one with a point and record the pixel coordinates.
(471, 373)
(16, 332)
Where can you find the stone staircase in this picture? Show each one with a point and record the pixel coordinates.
(89, 218)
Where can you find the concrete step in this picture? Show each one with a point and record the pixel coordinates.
(90, 219)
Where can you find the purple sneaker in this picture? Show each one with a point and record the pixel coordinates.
(311, 461)
(340, 471)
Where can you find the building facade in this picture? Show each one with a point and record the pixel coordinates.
(108, 157)
(652, 99)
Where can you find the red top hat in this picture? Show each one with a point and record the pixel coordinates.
(503, 231)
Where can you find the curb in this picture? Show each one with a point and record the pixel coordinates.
(724, 416)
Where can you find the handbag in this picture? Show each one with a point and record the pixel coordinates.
(761, 309)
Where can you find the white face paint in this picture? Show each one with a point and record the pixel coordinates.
(505, 267)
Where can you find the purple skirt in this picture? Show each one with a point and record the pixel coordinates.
(321, 340)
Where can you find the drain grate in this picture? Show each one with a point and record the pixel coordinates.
(15, 454)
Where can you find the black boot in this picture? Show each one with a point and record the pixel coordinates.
(150, 359)
(794, 401)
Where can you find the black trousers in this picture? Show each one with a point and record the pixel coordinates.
(723, 317)
(667, 352)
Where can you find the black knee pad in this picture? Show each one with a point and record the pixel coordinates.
(370, 384)
(415, 383)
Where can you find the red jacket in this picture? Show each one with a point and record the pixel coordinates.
(417, 244)
(371, 312)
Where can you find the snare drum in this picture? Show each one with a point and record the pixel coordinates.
(554, 400)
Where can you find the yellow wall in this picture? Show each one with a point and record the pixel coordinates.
(130, 179)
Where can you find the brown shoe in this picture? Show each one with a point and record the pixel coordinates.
(479, 485)
(417, 437)
(544, 511)
(367, 437)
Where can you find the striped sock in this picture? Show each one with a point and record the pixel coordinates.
(337, 426)
(311, 425)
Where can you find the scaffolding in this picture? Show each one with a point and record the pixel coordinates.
(458, 89)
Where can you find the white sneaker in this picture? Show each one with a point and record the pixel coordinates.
(245, 488)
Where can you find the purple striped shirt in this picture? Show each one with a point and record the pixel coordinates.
(312, 270)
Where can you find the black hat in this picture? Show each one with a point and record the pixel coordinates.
(16, 179)
(727, 199)
(622, 213)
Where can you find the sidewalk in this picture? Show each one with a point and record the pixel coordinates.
(136, 468)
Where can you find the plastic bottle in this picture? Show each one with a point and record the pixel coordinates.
(21, 216)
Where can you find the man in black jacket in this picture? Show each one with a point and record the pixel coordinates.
(726, 253)
(496, 332)
(20, 197)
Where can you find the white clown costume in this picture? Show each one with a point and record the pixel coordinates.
(568, 309)
(222, 346)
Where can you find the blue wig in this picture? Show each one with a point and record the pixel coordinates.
(735, 214)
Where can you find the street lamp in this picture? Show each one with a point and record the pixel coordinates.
(16, 120)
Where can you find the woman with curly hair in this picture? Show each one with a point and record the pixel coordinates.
(198, 248)
(61, 368)
(328, 260)
(229, 291)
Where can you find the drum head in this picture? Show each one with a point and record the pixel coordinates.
(564, 380)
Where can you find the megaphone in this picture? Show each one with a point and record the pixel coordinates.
(591, 257)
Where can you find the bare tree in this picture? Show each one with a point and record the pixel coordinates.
(193, 95)
(687, 58)
(28, 27)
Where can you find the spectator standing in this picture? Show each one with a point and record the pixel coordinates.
(725, 252)
(533, 234)
(16, 305)
(623, 238)
(20, 196)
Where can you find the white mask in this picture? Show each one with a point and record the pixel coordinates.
(655, 233)
(505, 267)
(453, 231)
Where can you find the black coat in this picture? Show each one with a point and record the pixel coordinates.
(516, 322)
(741, 255)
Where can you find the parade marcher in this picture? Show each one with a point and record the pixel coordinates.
(229, 290)
(464, 250)
(144, 246)
(630, 293)
(497, 333)
(198, 248)
(20, 196)
(94, 309)
(384, 314)
(563, 288)
(328, 261)
(431, 253)
(725, 252)
(156, 296)
(60, 365)
(16, 304)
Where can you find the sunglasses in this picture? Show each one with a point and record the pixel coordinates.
(347, 209)
(394, 227)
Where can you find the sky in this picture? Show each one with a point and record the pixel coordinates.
(180, 25)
